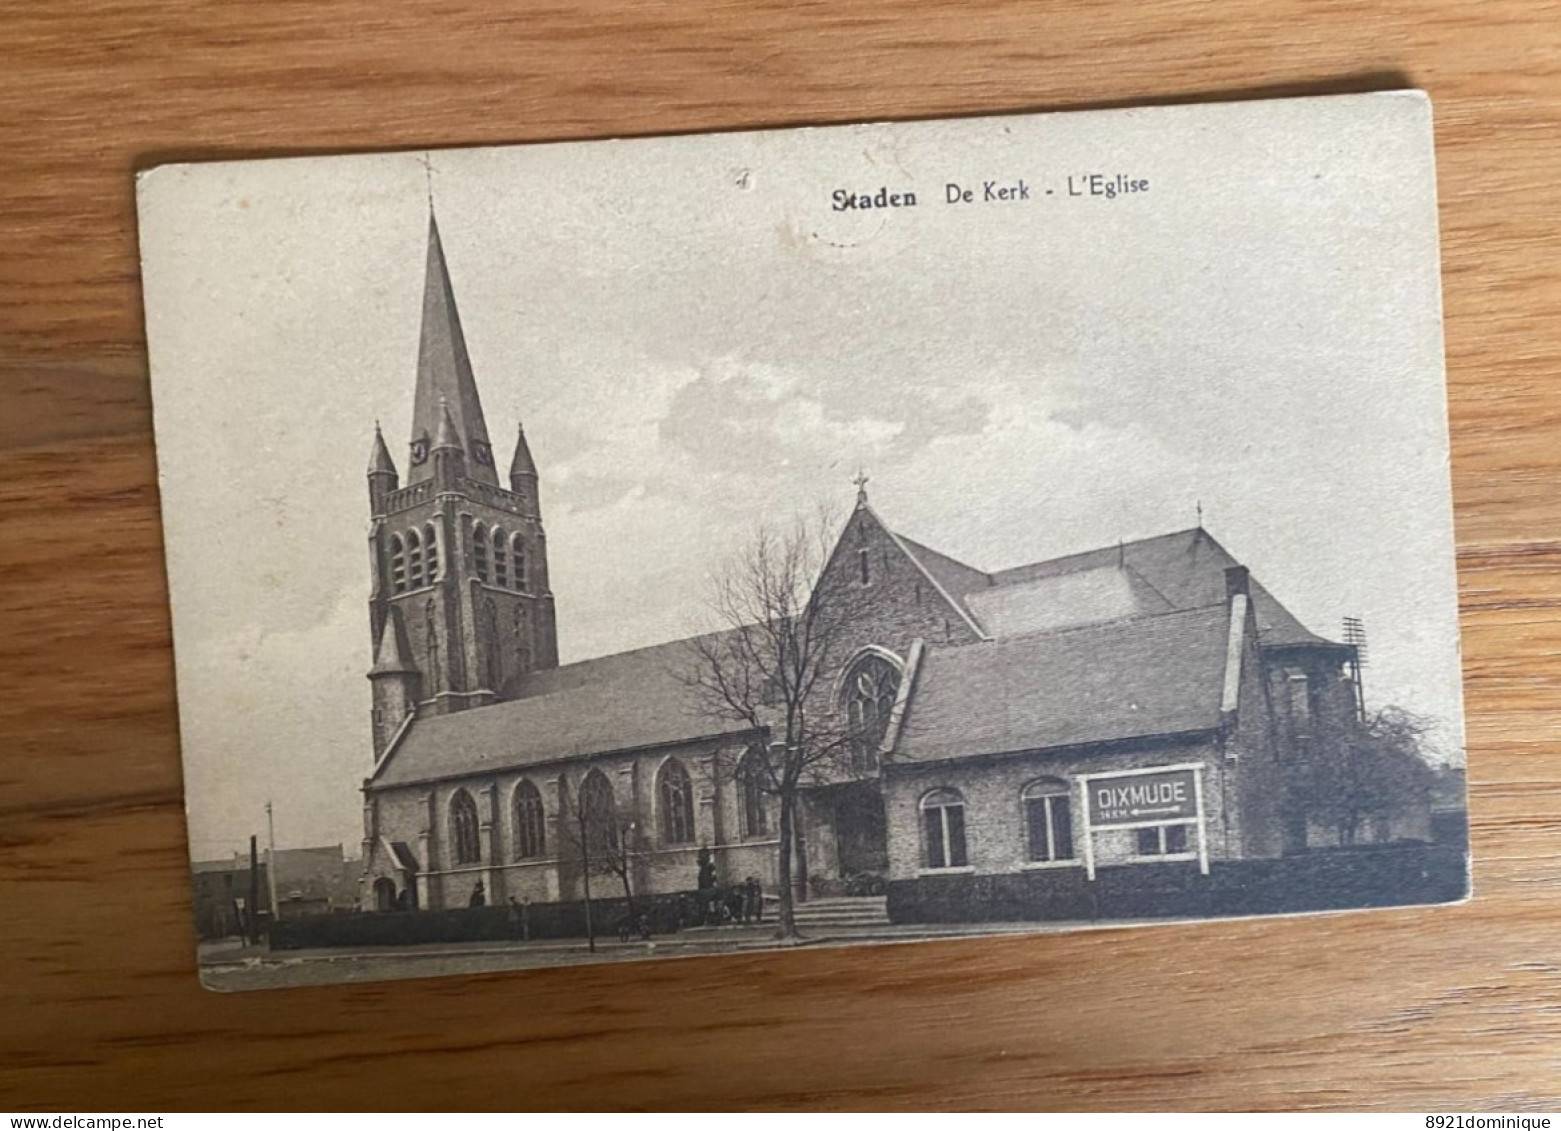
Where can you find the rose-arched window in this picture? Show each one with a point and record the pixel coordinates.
(871, 687)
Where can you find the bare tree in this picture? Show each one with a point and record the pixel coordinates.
(1360, 768)
(603, 838)
(786, 624)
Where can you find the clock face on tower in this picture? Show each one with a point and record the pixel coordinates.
(419, 450)
(482, 453)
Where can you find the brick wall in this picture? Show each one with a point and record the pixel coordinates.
(995, 829)
(420, 816)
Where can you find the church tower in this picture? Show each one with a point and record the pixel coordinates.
(460, 609)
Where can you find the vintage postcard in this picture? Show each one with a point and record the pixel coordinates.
(681, 546)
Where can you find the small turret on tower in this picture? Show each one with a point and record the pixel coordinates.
(523, 473)
(383, 479)
(449, 453)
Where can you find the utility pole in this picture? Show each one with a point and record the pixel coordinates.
(254, 892)
(271, 859)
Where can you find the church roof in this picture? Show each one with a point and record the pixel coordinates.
(444, 373)
(626, 701)
(1108, 682)
(1182, 570)
(1087, 596)
(1130, 641)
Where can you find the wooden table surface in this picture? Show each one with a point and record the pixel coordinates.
(1450, 1008)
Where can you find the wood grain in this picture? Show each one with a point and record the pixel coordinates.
(1437, 1009)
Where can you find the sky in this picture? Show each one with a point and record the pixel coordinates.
(697, 341)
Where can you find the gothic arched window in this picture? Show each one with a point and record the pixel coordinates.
(480, 551)
(465, 841)
(518, 550)
(676, 793)
(500, 559)
(522, 641)
(871, 686)
(414, 560)
(753, 815)
(431, 552)
(398, 564)
(599, 815)
(943, 826)
(431, 641)
(530, 823)
(1048, 819)
(490, 644)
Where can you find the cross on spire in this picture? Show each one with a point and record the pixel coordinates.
(861, 485)
(427, 161)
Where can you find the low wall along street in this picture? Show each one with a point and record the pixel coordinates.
(1323, 880)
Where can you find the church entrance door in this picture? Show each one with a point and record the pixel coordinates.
(384, 894)
(861, 832)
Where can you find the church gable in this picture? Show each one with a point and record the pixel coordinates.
(904, 601)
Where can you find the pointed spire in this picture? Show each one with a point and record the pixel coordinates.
(444, 373)
(522, 464)
(380, 462)
(390, 654)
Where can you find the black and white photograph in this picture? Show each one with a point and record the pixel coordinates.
(676, 547)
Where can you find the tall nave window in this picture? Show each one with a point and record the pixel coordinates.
(464, 839)
(530, 823)
(753, 816)
(676, 793)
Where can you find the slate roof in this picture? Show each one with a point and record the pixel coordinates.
(1088, 596)
(620, 702)
(1187, 568)
(1118, 680)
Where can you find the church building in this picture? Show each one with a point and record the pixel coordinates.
(1131, 704)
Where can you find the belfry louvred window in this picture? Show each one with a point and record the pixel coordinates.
(398, 564)
(414, 560)
(480, 551)
(500, 559)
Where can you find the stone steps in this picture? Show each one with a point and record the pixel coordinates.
(843, 911)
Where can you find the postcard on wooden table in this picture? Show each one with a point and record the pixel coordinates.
(694, 545)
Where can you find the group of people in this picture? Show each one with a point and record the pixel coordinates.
(736, 903)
